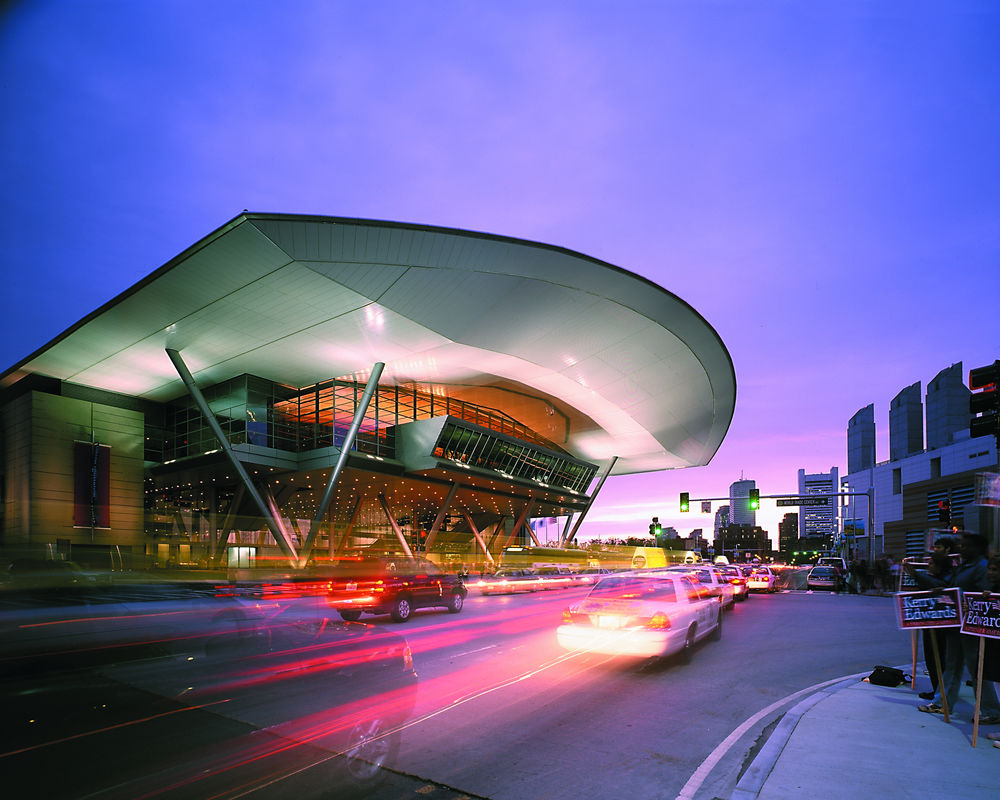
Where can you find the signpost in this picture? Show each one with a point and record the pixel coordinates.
(980, 617)
(803, 501)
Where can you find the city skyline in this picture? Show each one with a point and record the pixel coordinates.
(819, 183)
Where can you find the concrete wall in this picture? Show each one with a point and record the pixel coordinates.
(39, 430)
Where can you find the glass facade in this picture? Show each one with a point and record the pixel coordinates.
(255, 411)
(483, 449)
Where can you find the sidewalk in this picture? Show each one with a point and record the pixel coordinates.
(854, 739)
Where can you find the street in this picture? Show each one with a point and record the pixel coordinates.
(502, 713)
(496, 710)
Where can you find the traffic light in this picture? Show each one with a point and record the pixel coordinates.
(984, 405)
(944, 511)
(685, 501)
(754, 499)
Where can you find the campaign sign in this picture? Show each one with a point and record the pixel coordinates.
(981, 614)
(934, 608)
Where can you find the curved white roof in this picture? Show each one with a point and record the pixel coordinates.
(633, 370)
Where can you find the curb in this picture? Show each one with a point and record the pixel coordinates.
(750, 785)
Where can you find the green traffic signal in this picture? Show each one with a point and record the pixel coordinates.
(685, 501)
(754, 499)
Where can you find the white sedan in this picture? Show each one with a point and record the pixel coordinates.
(641, 614)
(762, 579)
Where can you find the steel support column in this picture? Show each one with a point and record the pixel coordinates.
(432, 533)
(519, 522)
(593, 497)
(352, 520)
(477, 535)
(345, 450)
(279, 535)
(222, 538)
(395, 525)
(564, 536)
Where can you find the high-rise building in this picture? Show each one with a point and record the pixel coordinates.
(906, 494)
(819, 520)
(788, 532)
(861, 440)
(947, 407)
(906, 423)
(721, 520)
(740, 512)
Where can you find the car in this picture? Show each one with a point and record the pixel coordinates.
(394, 586)
(641, 615)
(590, 575)
(839, 564)
(737, 578)
(551, 576)
(293, 692)
(824, 577)
(762, 579)
(46, 573)
(709, 576)
(508, 580)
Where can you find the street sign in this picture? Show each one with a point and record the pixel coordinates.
(803, 501)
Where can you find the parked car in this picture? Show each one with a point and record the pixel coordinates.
(737, 578)
(508, 580)
(826, 577)
(641, 614)
(289, 691)
(395, 586)
(762, 579)
(709, 576)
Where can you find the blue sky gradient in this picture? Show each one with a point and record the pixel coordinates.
(819, 180)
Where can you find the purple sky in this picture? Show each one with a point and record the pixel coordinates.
(820, 180)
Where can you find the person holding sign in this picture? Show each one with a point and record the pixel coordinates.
(961, 650)
(991, 662)
(940, 568)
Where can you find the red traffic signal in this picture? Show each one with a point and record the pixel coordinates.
(944, 511)
(984, 405)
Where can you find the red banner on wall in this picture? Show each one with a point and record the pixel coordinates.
(91, 485)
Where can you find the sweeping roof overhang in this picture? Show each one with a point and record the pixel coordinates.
(633, 369)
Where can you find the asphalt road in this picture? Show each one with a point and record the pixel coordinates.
(502, 713)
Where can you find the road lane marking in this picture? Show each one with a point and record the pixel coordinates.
(694, 783)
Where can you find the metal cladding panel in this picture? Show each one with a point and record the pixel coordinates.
(369, 280)
(301, 299)
(216, 270)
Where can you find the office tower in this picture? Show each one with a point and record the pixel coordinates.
(947, 407)
(861, 440)
(906, 423)
(740, 512)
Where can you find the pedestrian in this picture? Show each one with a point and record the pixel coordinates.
(893, 575)
(962, 650)
(941, 568)
(991, 659)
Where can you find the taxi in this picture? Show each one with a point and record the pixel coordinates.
(643, 615)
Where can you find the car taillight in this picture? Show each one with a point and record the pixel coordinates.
(567, 616)
(659, 622)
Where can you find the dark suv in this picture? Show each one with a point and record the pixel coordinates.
(396, 586)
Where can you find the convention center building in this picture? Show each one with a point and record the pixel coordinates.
(293, 388)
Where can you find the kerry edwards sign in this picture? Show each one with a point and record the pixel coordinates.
(935, 608)
(981, 614)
